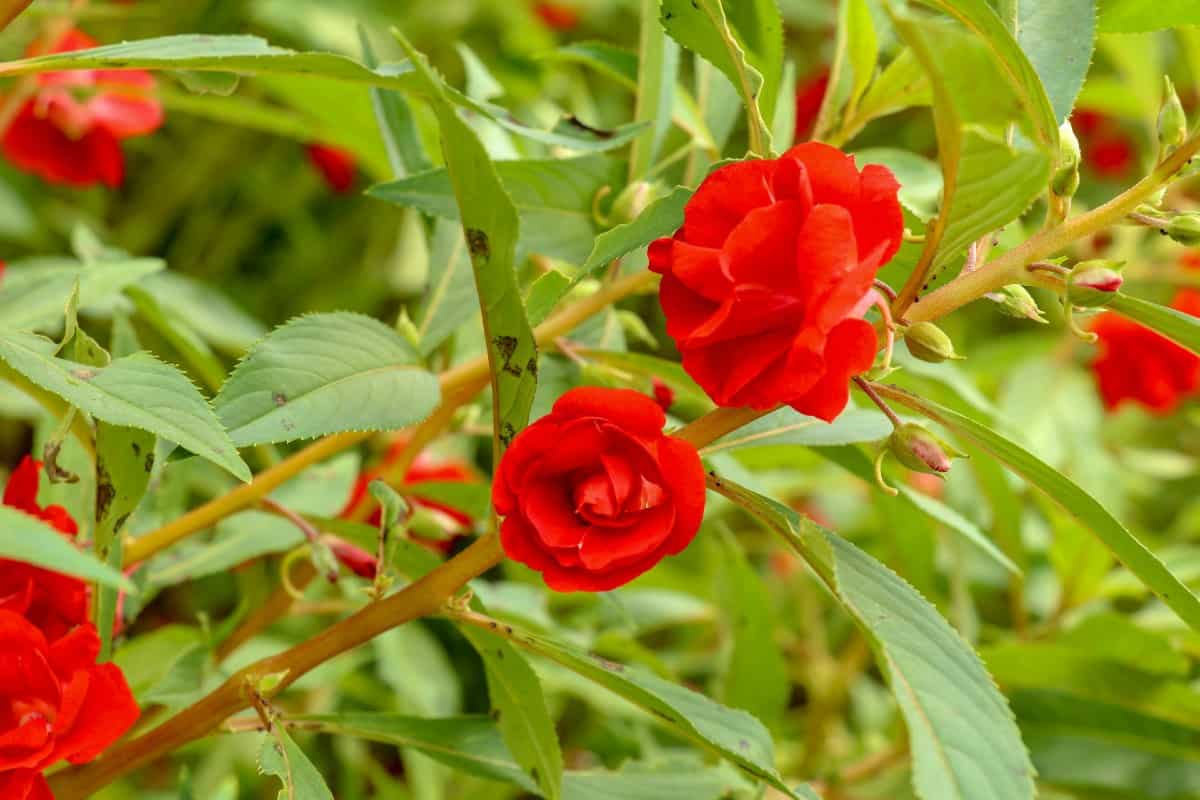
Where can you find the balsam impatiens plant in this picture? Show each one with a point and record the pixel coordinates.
(590, 399)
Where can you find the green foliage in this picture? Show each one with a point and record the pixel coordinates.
(1182, 328)
(325, 373)
(30, 540)
(281, 758)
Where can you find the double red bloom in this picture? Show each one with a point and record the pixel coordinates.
(70, 130)
(765, 284)
(1138, 365)
(594, 494)
(56, 702)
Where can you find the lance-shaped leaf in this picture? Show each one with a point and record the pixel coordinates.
(491, 225)
(965, 744)
(279, 756)
(28, 539)
(35, 292)
(1175, 325)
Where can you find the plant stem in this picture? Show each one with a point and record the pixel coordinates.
(10, 10)
(869, 390)
(422, 598)
(1010, 267)
(716, 423)
(464, 380)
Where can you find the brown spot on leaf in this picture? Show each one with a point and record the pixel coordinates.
(478, 244)
(279, 398)
(105, 492)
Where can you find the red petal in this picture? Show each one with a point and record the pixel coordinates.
(762, 249)
(832, 173)
(878, 219)
(125, 116)
(108, 712)
(547, 507)
(22, 489)
(849, 351)
(602, 548)
(629, 410)
(684, 474)
(701, 269)
(724, 198)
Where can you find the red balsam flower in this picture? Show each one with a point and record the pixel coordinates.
(594, 494)
(56, 703)
(1138, 365)
(765, 284)
(53, 602)
(69, 131)
(336, 166)
(556, 16)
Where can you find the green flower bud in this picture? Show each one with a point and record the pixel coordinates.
(632, 201)
(1093, 283)
(1066, 177)
(1172, 120)
(927, 342)
(1185, 229)
(1015, 300)
(921, 451)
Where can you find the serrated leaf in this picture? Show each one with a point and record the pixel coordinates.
(322, 374)
(732, 734)
(759, 28)
(965, 744)
(790, 427)
(450, 298)
(205, 310)
(136, 391)
(36, 291)
(520, 707)
(702, 27)
(491, 226)
(396, 122)
(279, 756)
(1087, 509)
(1177, 326)
(554, 198)
(1058, 37)
(28, 539)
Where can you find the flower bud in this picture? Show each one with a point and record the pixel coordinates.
(664, 395)
(1093, 283)
(919, 450)
(1185, 229)
(632, 201)
(1066, 178)
(1015, 300)
(1172, 121)
(927, 342)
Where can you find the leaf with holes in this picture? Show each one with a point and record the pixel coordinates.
(281, 757)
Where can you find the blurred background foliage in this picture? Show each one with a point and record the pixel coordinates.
(254, 235)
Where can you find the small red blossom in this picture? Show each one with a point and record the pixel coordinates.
(336, 166)
(556, 16)
(1138, 365)
(53, 602)
(765, 284)
(664, 395)
(594, 494)
(810, 94)
(69, 131)
(57, 702)
(354, 558)
(1108, 149)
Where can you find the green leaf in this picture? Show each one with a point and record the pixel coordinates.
(1058, 37)
(136, 391)
(553, 197)
(194, 350)
(396, 123)
(1139, 16)
(474, 745)
(785, 426)
(25, 538)
(450, 297)
(756, 676)
(856, 52)
(520, 708)
(1177, 326)
(1123, 544)
(702, 27)
(36, 291)
(279, 756)
(964, 742)
(491, 225)
(247, 55)
(759, 29)
(322, 374)
(204, 310)
(124, 461)
(732, 734)
(657, 66)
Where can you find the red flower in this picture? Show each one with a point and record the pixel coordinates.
(1139, 365)
(1108, 149)
(69, 131)
(765, 284)
(335, 165)
(594, 494)
(425, 468)
(664, 395)
(809, 96)
(57, 702)
(24, 784)
(354, 558)
(53, 602)
(556, 16)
